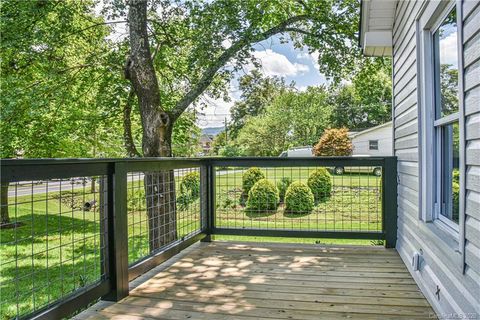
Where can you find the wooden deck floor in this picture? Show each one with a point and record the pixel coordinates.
(225, 280)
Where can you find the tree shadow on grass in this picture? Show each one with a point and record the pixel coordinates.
(31, 287)
(36, 227)
(296, 214)
(259, 213)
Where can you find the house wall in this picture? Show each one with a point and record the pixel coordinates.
(449, 273)
(383, 135)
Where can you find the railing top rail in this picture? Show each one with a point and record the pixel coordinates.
(303, 158)
(300, 161)
(53, 161)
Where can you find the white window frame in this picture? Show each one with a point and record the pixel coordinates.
(430, 17)
(438, 127)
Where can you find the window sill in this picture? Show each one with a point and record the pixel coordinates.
(449, 236)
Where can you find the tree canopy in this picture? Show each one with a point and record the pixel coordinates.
(366, 100)
(54, 70)
(292, 119)
(257, 92)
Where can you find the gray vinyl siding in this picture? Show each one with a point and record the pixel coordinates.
(471, 60)
(442, 263)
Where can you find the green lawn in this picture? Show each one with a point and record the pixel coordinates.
(51, 255)
(354, 205)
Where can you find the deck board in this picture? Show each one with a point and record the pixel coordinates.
(226, 280)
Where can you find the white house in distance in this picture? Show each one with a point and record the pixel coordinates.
(436, 141)
(376, 141)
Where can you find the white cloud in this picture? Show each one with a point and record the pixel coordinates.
(314, 58)
(303, 56)
(276, 64)
(448, 50)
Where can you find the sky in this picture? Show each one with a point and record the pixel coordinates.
(277, 59)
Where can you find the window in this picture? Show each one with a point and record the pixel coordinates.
(446, 120)
(372, 144)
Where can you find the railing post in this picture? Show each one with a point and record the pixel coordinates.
(207, 191)
(389, 199)
(117, 236)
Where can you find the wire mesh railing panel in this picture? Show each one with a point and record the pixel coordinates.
(299, 198)
(163, 208)
(52, 241)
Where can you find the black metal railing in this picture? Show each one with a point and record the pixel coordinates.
(80, 230)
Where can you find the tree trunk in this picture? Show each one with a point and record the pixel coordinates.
(92, 185)
(5, 218)
(127, 127)
(157, 130)
(161, 201)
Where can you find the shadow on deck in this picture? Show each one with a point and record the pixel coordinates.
(226, 280)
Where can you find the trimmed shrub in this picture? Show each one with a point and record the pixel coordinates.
(263, 196)
(334, 142)
(191, 184)
(189, 189)
(282, 187)
(299, 198)
(249, 178)
(320, 182)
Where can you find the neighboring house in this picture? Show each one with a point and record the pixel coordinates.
(437, 141)
(206, 143)
(376, 141)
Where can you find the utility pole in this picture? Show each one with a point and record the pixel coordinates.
(226, 131)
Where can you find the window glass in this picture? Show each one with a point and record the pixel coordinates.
(446, 126)
(373, 144)
(450, 164)
(446, 65)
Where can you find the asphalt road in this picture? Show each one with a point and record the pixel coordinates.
(26, 188)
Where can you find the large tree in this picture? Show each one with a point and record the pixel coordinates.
(181, 50)
(366, 100)
(54, 67)
(257, 92)
(293, 119)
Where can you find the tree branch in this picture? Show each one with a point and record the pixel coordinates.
(298, 30)
(127, 127)
(96, 25)
(156, 122)
(229, 53)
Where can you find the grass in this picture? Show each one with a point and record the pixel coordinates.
(55, 254)
(58, 248)
(354, 204)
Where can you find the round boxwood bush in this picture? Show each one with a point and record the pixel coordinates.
(299, 198)
(263, 196)
(282, 186)
(320, 182)
(250, 177)
(189, 189)
(190, 184)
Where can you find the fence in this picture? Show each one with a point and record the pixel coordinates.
(80, 230)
